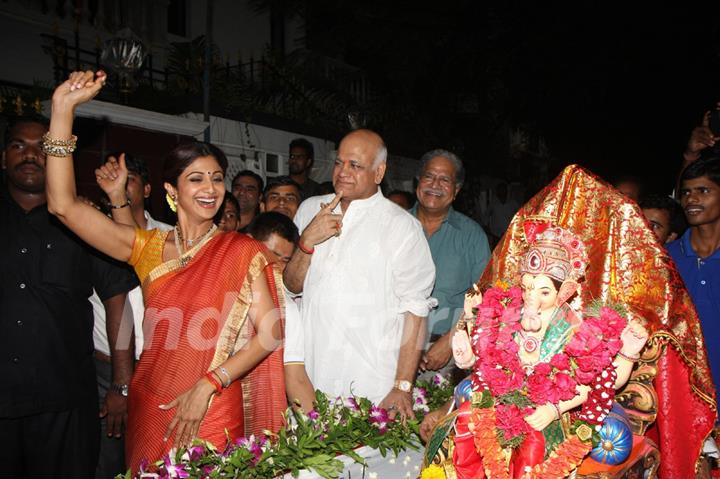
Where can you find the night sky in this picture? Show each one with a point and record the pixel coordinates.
(616, 88)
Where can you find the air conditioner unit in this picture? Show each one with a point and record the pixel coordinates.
(264, 163)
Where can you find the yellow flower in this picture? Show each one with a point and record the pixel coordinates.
(502, 284)
(433, 471)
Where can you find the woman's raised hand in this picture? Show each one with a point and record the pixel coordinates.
(79, 88)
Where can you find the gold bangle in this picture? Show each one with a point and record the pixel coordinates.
(55, 142)
(59, 148)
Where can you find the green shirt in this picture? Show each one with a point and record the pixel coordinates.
(460, 252)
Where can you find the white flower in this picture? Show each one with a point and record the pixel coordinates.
(373, 475)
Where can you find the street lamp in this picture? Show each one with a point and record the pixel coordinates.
(123, 55)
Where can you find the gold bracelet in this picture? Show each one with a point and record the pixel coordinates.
(59, 148)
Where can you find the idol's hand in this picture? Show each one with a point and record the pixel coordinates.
(462, 350)
(191, 407)
(112, 178)
(634, 337)
(79, 88)
(325, 225)
(542, 417)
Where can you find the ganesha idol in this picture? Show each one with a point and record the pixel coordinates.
(539, 400)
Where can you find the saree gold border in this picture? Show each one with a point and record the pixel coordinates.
(280, 291)
(237, 331)
(176, 263)
(247, 407)
(689, 362)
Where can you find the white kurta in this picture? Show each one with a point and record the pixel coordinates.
(357, 289)
(294, 351)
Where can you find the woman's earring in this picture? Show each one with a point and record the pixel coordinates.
(171, 202)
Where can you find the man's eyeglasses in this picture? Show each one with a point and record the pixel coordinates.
(429, 178)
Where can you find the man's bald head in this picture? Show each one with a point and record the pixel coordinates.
(373, 141)
(360, 165)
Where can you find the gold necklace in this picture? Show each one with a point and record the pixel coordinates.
(180, 242)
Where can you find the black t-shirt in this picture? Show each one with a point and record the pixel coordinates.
(46, 320)
(309, 188)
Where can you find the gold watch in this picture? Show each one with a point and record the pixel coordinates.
(403, 385)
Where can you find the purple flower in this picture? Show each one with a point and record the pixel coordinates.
(196, 452)
(379, 418)
(253, 445)
(438, 379)
(207, 469)
(313, 415)
(378, 414)
(143, 467)
(351, 404)
(174, 470)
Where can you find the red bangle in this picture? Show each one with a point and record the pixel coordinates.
(557, 410)
(305, 249)
(214, 381)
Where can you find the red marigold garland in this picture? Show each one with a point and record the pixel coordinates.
(562, 461)
(482, 423)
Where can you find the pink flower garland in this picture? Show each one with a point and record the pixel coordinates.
(585, 360)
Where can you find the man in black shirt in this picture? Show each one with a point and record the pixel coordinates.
(49, 425)
(300, 161)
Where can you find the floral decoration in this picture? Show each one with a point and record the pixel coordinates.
(309, 441)
(511, 392)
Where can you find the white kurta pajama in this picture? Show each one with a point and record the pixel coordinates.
(357, 289)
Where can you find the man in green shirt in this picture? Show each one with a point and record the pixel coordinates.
(458, 245)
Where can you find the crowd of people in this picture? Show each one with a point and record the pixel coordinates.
(124, 336)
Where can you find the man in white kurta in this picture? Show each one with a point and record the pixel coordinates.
(366, 273)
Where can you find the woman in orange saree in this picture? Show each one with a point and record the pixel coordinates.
(191, 326)
(213, 318)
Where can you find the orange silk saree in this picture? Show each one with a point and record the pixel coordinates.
(196, 316)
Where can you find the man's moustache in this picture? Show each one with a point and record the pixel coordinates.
(27, 163)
